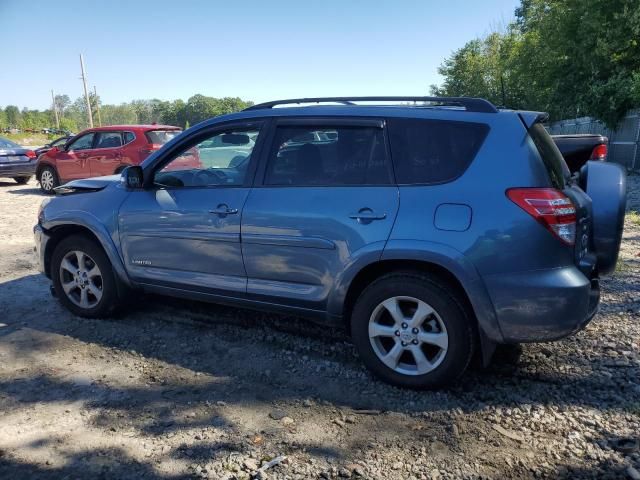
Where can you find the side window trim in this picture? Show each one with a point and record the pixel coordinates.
(321, 121)
(206, 132)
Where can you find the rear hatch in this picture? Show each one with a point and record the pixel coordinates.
(560, 178)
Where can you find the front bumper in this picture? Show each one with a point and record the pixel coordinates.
(17, 169)
(41, 239)
(543, 305)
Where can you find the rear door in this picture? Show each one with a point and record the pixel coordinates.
(325, 198)
(72, 163)
(105, 158)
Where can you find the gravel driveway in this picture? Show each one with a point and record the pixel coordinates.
(179, 389)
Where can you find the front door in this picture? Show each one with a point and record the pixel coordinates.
(106, 154)
(73, 162)
(327, 198)
(185, 231)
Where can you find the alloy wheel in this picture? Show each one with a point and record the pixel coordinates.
(81, 279)
(47, 180)
(408, 335)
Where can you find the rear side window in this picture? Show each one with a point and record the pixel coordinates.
(109, 140)
(551, 156)
(129, 137)
(160, 137)
(327, 156)
(433, 151)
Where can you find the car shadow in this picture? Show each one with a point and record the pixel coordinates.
(212, 362)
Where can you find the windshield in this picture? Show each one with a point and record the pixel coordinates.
(4, 143)
(160, 137)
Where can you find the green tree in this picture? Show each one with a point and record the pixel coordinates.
(13, 115)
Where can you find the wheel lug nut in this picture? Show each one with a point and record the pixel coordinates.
(404, 344)
(404, 325)
(397, 333)
(415, 341)
(414, 330)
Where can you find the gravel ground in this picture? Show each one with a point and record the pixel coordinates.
(180, 389)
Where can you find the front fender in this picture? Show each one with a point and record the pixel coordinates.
(88, 221)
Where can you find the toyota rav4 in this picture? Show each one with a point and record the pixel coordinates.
(432, 228)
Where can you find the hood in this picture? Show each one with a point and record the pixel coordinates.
(87, 185)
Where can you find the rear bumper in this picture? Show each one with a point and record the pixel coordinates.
(543, 305)
(41, 239)
(18, 169)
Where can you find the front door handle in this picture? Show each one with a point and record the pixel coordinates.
(224, 210)
(366, 215)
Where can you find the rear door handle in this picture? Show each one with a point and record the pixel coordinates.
(224, 210)
(367, 215)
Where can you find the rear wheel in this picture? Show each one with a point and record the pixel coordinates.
(83, 278)
(48, 179)
(22, 180)
(411, 331)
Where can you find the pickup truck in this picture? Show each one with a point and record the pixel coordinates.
(580, 148)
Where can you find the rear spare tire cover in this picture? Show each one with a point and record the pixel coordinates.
(606, 184)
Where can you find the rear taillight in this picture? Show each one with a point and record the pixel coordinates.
(30, 154)
(552, 208)
(150, 148)
(599, 152)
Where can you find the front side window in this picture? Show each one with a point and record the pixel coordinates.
(109, 140)
(428, 151)
(219, 160)
(85, 142)
(326, 156)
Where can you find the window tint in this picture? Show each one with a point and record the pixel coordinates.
(129, 137)
(433, 151)
(109, 140)
(85, 142)
(160, 137)
(220, 160)
(305, 156)
(551, 156)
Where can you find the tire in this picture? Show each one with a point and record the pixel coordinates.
(48, 179)
(445, 336)
(101, 292)
(22, 180)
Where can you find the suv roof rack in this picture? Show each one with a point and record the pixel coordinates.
(470, 104)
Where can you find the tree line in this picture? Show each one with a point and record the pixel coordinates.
(567, 57)
(73, 115)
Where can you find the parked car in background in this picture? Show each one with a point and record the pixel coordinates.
(58, 142)
(16, 162)
(578, 149)
(102, 151)
(431, 230)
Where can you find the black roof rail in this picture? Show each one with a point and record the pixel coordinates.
(471, 104)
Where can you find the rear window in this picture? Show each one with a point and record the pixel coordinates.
(160, 137)
(550, 155)
(433, 151)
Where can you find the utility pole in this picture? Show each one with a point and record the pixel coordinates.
(55, 110)
(95, 95)
(86, 92)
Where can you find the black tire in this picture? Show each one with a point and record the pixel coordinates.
(45, 185)
(109, 300)
(22, 180)
(448, 306)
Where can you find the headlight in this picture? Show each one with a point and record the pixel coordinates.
(41, 209)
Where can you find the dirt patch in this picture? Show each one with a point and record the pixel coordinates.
(174, 389)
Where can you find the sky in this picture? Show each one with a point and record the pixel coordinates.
(255, 50)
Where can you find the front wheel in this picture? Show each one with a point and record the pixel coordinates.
(411, 331)
(22, 180)
(83, 278)
(48, 179)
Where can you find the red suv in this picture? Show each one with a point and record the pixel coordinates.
(104, 151)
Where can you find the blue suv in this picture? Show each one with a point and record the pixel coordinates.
(434, 228)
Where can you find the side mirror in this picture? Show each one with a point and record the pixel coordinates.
(132, 177)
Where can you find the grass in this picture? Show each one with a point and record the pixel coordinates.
(29, 139)
(633, 217)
